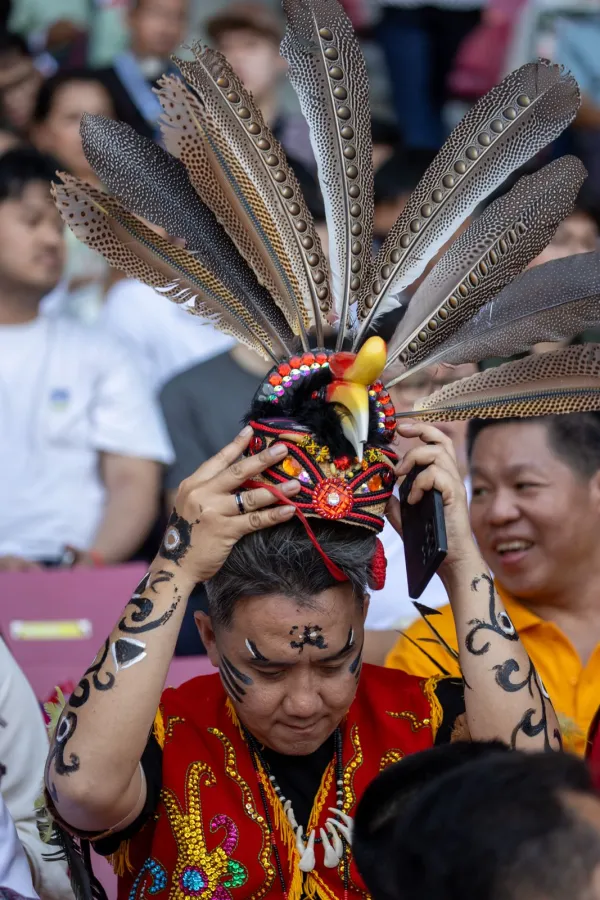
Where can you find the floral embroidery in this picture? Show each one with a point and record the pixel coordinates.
(157, 878)
(200, 872)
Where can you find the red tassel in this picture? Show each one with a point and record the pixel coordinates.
(378, 568)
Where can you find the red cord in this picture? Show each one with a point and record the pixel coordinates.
(331, 566)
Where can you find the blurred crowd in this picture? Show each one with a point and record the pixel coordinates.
(110, 395)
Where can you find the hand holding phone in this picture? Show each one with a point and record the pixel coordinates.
(423, 533)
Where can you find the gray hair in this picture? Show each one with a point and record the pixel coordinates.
(282, 560)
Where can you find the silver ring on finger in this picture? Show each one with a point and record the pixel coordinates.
(240, 503)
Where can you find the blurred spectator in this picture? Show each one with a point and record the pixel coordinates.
(19, 84)
(166, 339)
(249, 34)
(8, 140)
(83, 441)
(420, 40)
(204, 408)
(387, 797)
(535, 513)
(61, 102)
(23, 751)
(578, 233)
(15, 875)
(513, 826)
(391, 608)
(577, 45)
(157, 28)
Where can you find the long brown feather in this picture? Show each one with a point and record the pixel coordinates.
(329, 76)
(551, 302)
(562, 381)
(501, 132)
(255, 174)
(105, 225)
(490, 253)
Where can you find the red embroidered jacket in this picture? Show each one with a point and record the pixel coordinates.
(209, 839)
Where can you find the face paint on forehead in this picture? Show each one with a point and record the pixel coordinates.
(311, 635)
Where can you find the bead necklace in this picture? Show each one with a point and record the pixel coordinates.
(336, 844)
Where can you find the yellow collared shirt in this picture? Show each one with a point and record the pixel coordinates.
(573, 688)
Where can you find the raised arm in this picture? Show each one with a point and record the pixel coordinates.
(93, 772)
(504, 696)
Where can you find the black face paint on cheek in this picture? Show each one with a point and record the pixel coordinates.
(311, 635)
(254, 651)
(235, 691)
(177, 539)
(356, 665)
(235, 673)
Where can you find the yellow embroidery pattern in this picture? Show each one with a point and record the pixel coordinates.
(200, 872)
(231, 770)
(349, 771)
(392, 756)
(415, 722)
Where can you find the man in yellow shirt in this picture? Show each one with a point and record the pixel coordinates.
(535, 513)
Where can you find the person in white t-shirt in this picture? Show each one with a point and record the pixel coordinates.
(23, 751)
(82, 438)
(166, 339)
(391, 609)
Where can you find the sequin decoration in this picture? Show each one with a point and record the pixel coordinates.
(415, 723)
(198, 870)
(389, 758)
(355, 762)
(249, 806)
(332, 499)
(151, 879)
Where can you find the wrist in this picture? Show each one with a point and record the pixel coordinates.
(458, 574)
(184, 582)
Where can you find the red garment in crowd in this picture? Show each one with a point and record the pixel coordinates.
(209, 836)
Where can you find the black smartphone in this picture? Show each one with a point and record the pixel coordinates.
(424, 535)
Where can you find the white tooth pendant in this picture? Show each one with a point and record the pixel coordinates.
(331, 859)
(287, 808)
(336, 840)
(307, 853)
(345, 827)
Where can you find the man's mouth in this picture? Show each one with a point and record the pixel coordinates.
(515, 546)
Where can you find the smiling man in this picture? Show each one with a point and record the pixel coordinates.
(536, 515)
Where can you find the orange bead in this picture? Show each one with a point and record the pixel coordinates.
(375, 483)
(291, 466)
(274, 379)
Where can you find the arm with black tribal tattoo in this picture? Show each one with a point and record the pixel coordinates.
(92, 771)
(504, 695)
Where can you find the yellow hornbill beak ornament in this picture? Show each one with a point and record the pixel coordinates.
(354, 373)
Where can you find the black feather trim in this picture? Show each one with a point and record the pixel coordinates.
(76, 853)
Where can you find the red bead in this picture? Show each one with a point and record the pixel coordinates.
(256, 444)
(274, 379)
(377, 387)
(321, 358)
(308, 359)
(389, 409)
(295, 362)
(342, 463)
(388, 477)
(390, 424)
(284, 369)
(384, 397)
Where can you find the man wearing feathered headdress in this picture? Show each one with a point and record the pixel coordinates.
(245, 783)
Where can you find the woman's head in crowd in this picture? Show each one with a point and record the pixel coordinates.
(535, 509)
(61, 102)
(279, 618)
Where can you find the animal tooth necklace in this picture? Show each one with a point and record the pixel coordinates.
(336, 837)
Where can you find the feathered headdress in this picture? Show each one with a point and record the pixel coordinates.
(254, 266)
